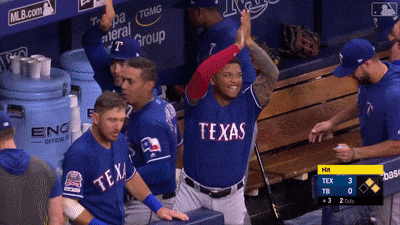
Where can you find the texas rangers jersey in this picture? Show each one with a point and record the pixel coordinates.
(219, 37)
(217, 139)
(98, 58)
(379, 108)
(153, 136)
(96, 176)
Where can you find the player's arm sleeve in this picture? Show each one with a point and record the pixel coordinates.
(78, 214)
(98, 57)
(393, 115)
(197, 86)
(156, 149)
(75, 170)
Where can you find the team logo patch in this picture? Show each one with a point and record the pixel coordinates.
(73, 179)
(151, 144)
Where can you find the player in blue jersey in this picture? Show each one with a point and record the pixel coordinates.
(153, 136)
(30, 190)
(97, 168)
(108, 67)
(377, 109)
(219, 122)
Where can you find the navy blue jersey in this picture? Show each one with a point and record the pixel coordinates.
(217, 139)
(153, 136)
(96, 176)
(98, 58)
(221, 36)
(379, 108)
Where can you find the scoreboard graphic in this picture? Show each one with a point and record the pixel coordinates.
(350, 184)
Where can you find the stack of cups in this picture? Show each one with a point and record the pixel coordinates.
(76, 131)
(34, 66)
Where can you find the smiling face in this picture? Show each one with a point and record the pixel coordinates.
(227, 83)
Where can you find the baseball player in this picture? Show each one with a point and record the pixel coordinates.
(153, 137)
(30, 190)
(219, 122)
(97, 167)
(377, 109)
(108, 67)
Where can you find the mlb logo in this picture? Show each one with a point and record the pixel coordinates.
(151, 144)
(384, 9)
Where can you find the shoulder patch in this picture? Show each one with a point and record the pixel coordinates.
(73, 179)
(150, 144)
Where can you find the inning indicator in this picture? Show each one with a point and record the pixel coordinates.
(350, 184)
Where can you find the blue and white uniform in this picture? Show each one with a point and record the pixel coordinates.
(96, 176)
(379, 108)
(153, 136)
(98, 57)
(217, 141)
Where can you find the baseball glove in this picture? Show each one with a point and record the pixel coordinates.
(299, 41)
(273, 54)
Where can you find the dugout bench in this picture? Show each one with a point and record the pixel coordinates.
(297, 104)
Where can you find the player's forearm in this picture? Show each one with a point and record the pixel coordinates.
(137, 187)
(197, 86)
(75, 212)
(345, 115)
(383, 149)
(55, 211)
(264, 84)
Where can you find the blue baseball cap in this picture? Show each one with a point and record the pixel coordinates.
(5, 121)
(196, 3)
(125, 49)
(354, 53)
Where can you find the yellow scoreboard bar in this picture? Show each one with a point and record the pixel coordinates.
(350, 169)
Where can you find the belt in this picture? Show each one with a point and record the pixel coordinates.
(212, 193)
(169, 195)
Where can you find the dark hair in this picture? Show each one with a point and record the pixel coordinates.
(148, 67)
(7, 134)
(235, 60)
(109, 100)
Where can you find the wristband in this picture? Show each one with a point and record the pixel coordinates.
(152, 203)
(95, 221)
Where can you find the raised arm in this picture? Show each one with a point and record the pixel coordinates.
(264, 83)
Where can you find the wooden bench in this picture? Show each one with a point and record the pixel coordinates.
(285, 123)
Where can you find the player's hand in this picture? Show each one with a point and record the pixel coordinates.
(108, 16)
(168, 214)
(246, 27)
(344, 153)
(319, 130)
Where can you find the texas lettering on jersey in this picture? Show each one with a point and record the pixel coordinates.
(106, 180)
(222, 132)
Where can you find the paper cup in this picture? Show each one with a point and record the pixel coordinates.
(34, 68)
(37, 56)
(25, 66)
(46, 67)
(73, 100)
(15, 64)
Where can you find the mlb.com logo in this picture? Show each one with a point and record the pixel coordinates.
(84, 5)
(384, 9)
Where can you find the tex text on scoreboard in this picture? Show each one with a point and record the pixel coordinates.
(350, 184)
